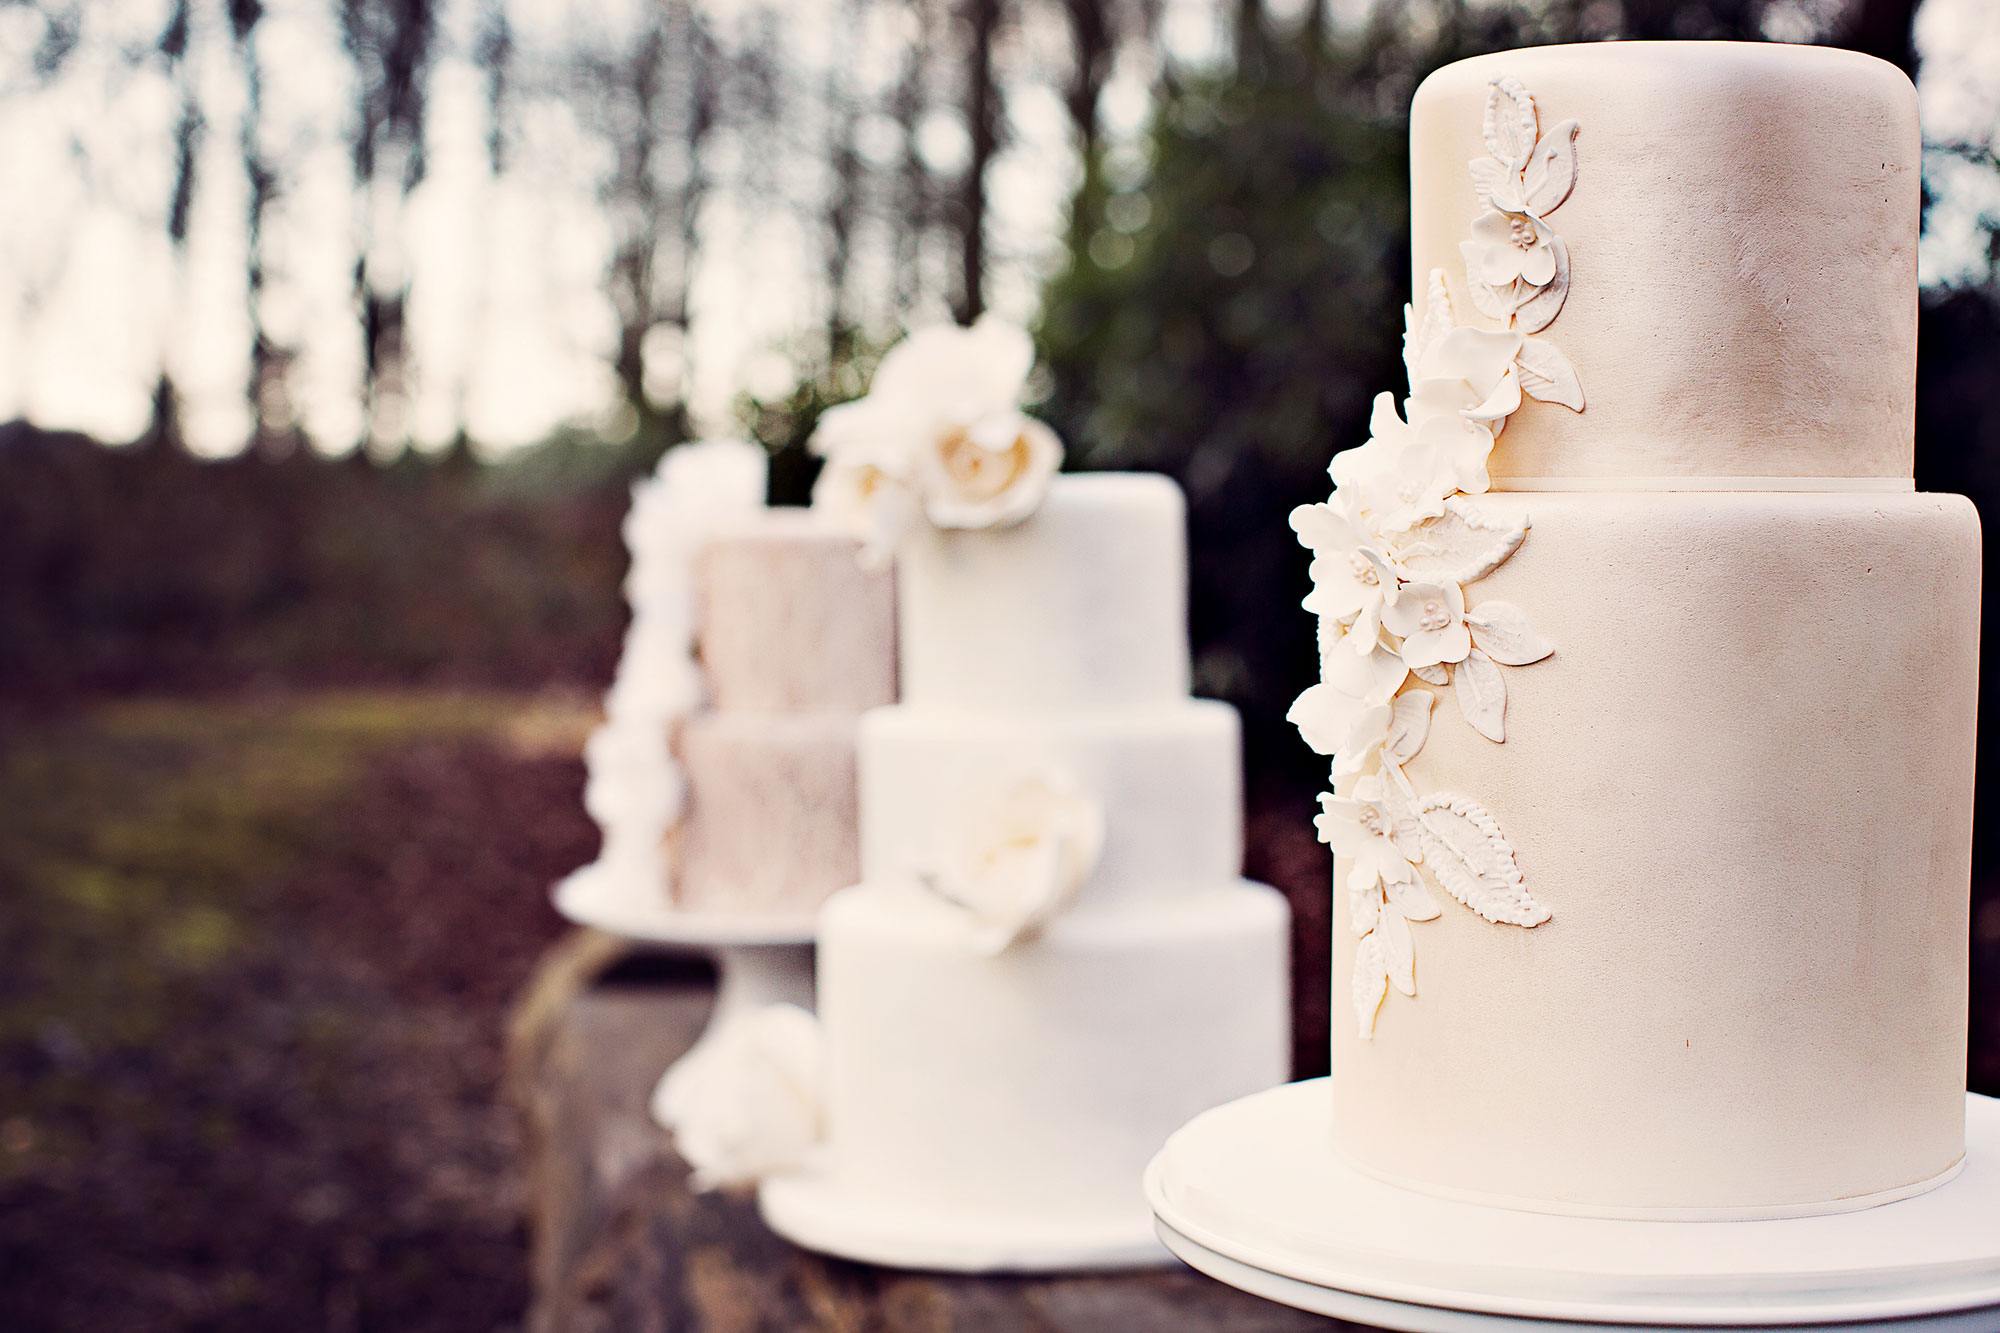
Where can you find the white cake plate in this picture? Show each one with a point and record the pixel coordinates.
(1254, 1195)
(820, 1213)
(758, 960)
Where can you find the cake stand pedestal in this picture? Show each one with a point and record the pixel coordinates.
(759, 961)
(1254, 1195)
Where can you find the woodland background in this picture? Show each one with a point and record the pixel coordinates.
(307, 587)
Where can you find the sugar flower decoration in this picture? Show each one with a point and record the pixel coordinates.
(1019, 856)
(748, 1102)
(939, 437)
(1347, 714)
(1397, 542)
(1429, 619)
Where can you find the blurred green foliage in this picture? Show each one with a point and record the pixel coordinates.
(1227, 320)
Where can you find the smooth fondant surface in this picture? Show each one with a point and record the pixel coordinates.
(1032, 1087)
(1743, 238)
(1169, 781)
(1082, 605)
(1743, 785)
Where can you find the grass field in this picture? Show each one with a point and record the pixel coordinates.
(259, 954)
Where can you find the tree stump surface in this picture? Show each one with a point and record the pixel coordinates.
(620, 1242)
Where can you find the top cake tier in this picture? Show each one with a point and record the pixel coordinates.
(789, 621)
(1743, 252)
(1083, 605)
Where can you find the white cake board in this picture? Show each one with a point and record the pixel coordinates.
(758, 960)
(1253, 1194)
(818, 1212)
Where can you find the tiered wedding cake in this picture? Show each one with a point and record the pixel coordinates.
(724, 775)
(1052, 959)
(1734, 804)
(796, 640)
(1655, 930)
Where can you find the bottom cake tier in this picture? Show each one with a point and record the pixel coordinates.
(1037, 1084)
(1743, 788)
(770, 826)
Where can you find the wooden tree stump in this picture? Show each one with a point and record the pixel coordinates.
(621, 1242)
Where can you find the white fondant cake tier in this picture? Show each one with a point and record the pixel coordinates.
(788, 620)
(1029, 1089)
(1082, 605)
(771, 818)
(1743, 236)
(1743, 786)
(1168, 779)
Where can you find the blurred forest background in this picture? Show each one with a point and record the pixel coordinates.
(334, 332)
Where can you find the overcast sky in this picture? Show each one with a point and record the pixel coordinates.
(509, 328)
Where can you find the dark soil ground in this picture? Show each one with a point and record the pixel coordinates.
(251, 1026)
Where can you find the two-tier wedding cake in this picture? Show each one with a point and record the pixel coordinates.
(1738, 794)
(1648, 684)
(724, 776)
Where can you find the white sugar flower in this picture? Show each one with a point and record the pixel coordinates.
(1347, 714)
(1472, 373)
(1361, 830)
(1439, 442)
(991, 473)
(1019, 858)
(1396, 480)
(1509, 246)
(1429, 618)
(873, 496)
(939, 435)
(748, 1102)
(1350, 576)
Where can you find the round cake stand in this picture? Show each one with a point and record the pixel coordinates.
(1253, 1194)
(758, 960)
(819, 1212)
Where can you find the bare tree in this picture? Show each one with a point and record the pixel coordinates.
(915, 206)
(274, 429)
(843, 204)
(982, 124)
(390, 44)
(163, 429)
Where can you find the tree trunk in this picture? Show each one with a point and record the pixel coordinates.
(982, 122)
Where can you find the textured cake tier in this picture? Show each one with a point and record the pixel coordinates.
(788, 620)
(1743, 786)
(1084, 605)
(1743, 235)
(770, 824)
(1037, 1084)
(1169, 780)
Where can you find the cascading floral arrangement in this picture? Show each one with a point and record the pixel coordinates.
(1397, 542)
(635, 790)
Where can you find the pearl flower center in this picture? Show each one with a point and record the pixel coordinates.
(1374, 821)
(1521, 233)
(1433, 614)
(1364, 572)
